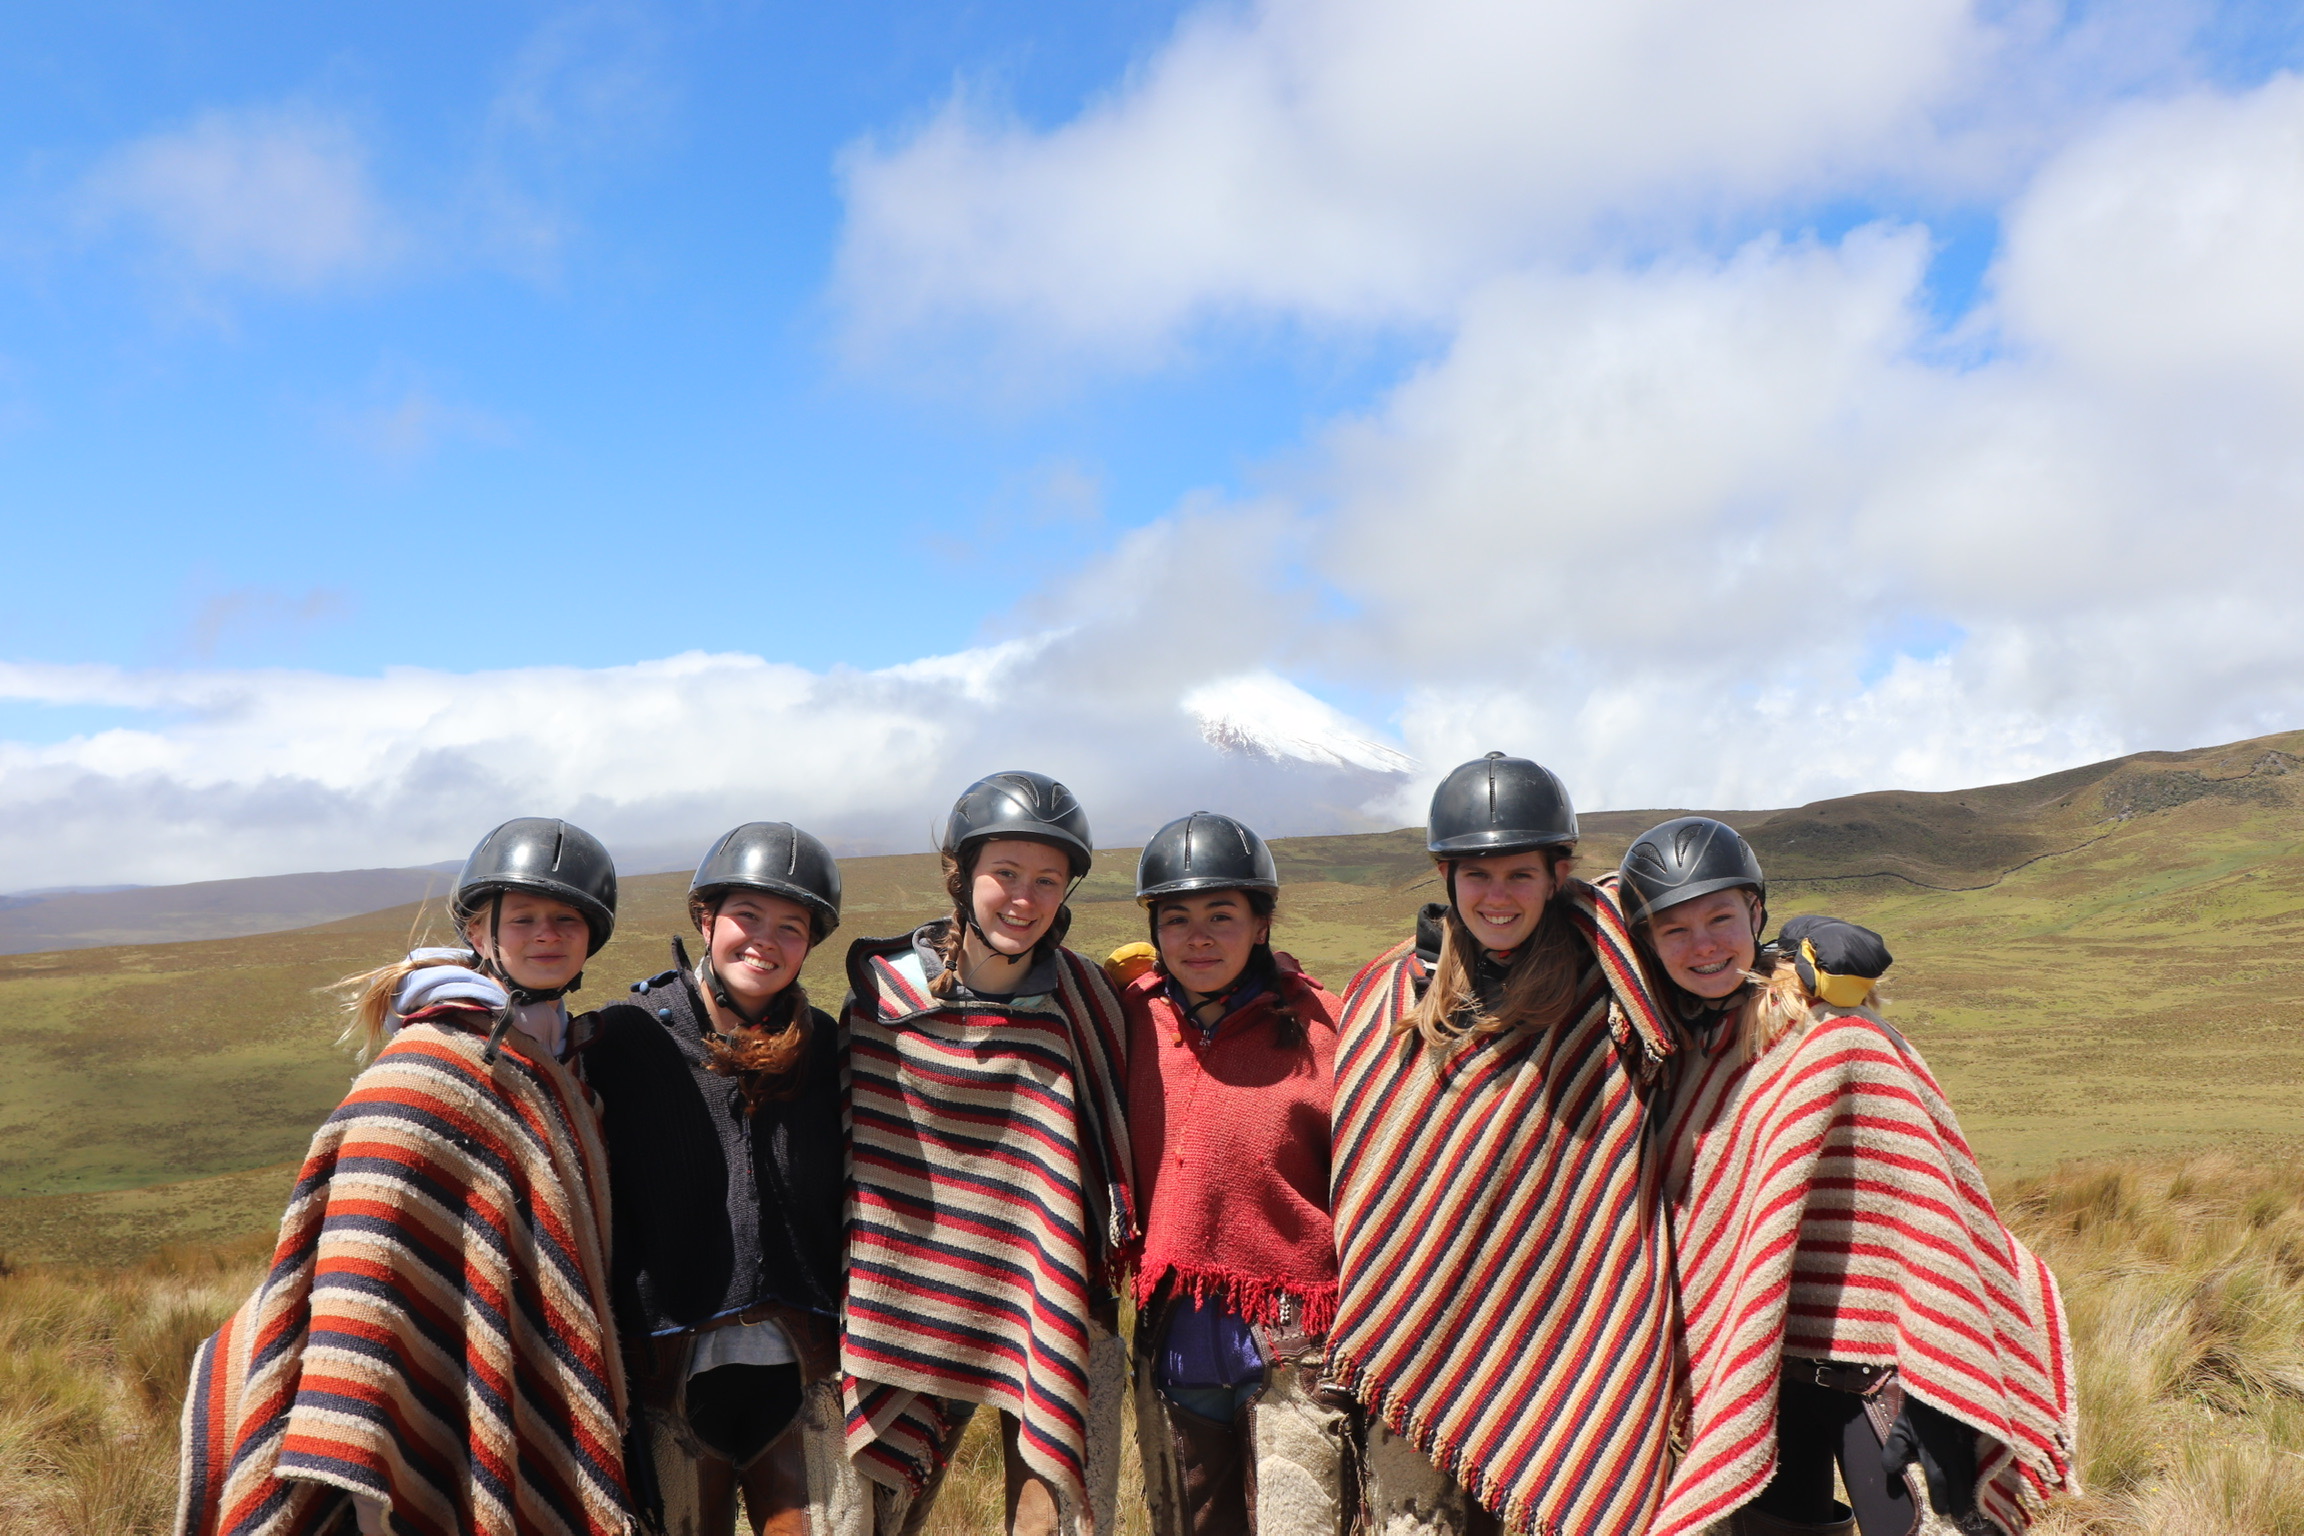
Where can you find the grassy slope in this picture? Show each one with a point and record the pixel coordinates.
(2131, 986)
(2184, 1279)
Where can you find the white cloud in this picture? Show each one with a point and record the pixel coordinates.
(1698, 528)
(1368, 160)
(586, 87)
(2164, 249)
(1666, 523)
(279, 197)
(254, 772)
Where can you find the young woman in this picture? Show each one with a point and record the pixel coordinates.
(988, 1204)
(432, 1351)
(1504, 1310)
(1847, 1290)
(720, 1089)
(1231, 1057)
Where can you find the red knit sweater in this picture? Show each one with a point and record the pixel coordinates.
(1231, 1147)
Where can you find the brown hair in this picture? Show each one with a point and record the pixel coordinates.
(959, 874)
(1287, 1029)
(765, 1059)
(1543, 984)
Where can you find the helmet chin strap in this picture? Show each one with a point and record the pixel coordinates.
(707, 973)
(976, 927)
(492, 962)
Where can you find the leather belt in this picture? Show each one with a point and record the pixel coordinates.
(1839, 1375)
(758, 1312)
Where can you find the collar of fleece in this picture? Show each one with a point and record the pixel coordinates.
(1230, 1135)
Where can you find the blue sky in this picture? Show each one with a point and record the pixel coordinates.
(272, 472)
(387, 399)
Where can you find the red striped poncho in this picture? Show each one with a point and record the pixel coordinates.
(1827, 1206)
(434, 1331)
(987, 1208)
(1505, 1290)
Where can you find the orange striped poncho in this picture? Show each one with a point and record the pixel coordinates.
(1826, 1206)
(434, 1331)
(1505, 1289)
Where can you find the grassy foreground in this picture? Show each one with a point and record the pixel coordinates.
(2184, 1276)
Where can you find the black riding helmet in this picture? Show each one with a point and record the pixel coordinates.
(1020, 804)
(1498, 804)
(548, 858)
(779, 858)
(1204, 852)
(1684, 858)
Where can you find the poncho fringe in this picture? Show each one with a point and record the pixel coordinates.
(1827, 1206)
(1253, 1298)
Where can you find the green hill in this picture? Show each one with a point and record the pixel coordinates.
(2102, 960)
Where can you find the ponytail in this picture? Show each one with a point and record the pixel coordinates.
(765, 1059)
(959, 874)
(367, 999)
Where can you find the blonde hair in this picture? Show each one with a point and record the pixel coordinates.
(366, 997)
(1780, 1008)
(367, 1001)
(1542, 985)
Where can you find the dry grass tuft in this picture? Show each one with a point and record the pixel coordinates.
(2185, 1280)
(93, 1365)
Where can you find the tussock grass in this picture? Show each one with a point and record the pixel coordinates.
(93, 1365)
(2184, 1278)
(2185, 1283)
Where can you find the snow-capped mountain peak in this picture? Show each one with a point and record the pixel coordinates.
(1260, 714)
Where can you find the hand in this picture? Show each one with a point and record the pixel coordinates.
(1945, 1449)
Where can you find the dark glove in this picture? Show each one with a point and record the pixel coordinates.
(1945, 1449)
(1431, 923)
(1837, 961)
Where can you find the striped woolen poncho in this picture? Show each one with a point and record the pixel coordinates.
(1505, 1291)
(987, 1209)
(1827, 1206)
(434, 1331)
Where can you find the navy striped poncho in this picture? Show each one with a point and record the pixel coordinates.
(987, 1210)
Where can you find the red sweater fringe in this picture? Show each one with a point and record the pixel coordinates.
(1231, 1147)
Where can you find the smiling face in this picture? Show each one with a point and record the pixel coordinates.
(1708, 943)
(757, 943)
(542, 943)
(1501, 898)
(1016, 892)
(1206, 938)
